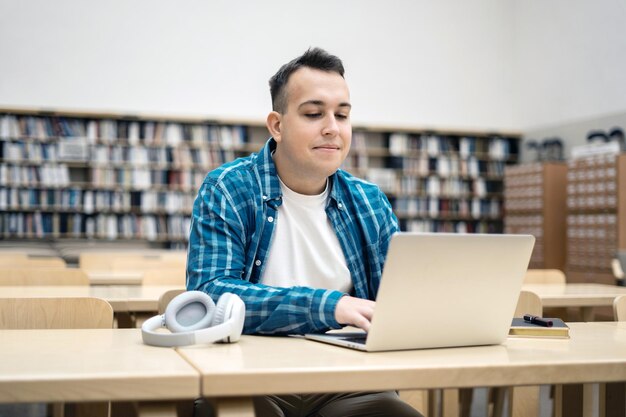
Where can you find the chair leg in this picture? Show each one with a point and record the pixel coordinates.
(466, 395)
(497, 396)
(524, 401)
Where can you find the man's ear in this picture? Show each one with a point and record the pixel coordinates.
(273, 122)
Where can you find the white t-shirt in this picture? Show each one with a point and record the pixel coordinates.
(305, 250)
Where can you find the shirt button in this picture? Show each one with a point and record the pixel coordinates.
(257, 262)
(340, 205)
(264, 197)
(270, 219)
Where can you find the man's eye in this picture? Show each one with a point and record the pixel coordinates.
(313, 115)
(341, 116)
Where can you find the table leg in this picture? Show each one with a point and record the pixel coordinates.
(233, 407)
(587, 313)
(573, 400)
(613, 399)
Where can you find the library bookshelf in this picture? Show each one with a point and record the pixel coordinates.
(596, 216)
(535, 202)
(107, 176)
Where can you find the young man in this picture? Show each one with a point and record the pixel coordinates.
(299, 240)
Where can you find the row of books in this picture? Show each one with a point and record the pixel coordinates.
(523, 223)
(476, 208)
(592, 219)
(449, 187)
(496, 148)
(446, 226)
(447, 166)
(390, 182)
(605, 234)
(592, 202)
(90, 201)
(585, 256)
(527, 203)
(37, 152)
(592, 187)
(133, 132)
(144, 178)
(47, 174)
(102, 226)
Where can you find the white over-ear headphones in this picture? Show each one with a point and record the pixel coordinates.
(193, 317)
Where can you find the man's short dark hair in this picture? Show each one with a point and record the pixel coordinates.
(315, 58)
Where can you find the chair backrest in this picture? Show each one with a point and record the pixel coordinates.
(166, 297)
(528, 303)
(544, 276)
(7, 256)
(618, 264)
(619, 308)
(42, 276)
(55, 313)
(32, 262)
(165, 276)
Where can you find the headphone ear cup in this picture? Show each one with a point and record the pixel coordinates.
(221, 309)
(230, 307)
(189, 311)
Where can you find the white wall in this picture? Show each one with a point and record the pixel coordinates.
(442, 63)
(486, 64)
(569, 60)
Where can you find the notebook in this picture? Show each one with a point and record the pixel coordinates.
(444, 290)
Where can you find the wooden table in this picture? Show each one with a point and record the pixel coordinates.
(123, 298)
(91, 365)
(232, 374)
(115, 278)
(583, 296)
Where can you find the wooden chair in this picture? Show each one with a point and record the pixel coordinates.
(6, 256)
(59, 313)
(544, 276)
(618, 265)
(55, 313)
(168, 296)
(33, 262)
(552, 276)
(619, 308)
(524, 401)
(42, 276)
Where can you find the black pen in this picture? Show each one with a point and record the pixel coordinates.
(537, 320)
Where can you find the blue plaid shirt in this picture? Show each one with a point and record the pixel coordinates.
(233, 220)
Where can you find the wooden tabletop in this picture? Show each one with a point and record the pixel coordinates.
(114, 278)
(123, 298)
(279, 365)
(90, 364)
(575, 295)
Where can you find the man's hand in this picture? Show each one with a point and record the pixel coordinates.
(355, 312)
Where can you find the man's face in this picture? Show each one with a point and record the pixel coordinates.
(315, 129)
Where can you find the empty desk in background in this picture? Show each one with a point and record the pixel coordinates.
(81, 365)
(233, 374)
(115, 278)
(583, 296)
(123, 298)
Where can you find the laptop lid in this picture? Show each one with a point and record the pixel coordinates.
(444, 290)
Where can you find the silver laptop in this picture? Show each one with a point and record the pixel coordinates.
(444, 290)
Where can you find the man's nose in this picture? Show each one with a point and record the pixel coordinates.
(331, 127)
